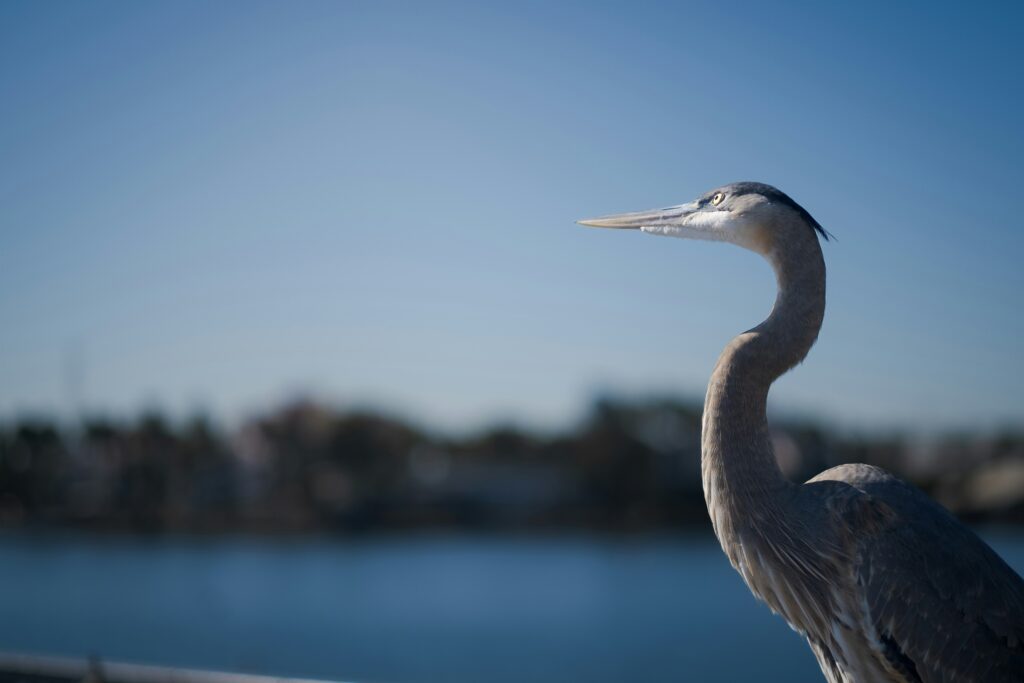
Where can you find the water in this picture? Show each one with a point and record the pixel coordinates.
(404, 609)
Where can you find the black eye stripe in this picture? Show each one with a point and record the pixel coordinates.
(774, 194)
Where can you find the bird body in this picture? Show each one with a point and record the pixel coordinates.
(885, 584)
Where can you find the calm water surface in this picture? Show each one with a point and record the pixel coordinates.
(446, 609)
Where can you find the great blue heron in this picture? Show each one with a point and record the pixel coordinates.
(884, 583)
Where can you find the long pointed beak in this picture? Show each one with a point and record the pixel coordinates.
(672, 215)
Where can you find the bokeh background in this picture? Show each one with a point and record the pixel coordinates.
(306, 370)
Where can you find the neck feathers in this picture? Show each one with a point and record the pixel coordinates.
(742, 480)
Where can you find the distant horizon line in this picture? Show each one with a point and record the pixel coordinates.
(402, 411)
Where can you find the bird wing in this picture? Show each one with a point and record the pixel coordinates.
(943, 604)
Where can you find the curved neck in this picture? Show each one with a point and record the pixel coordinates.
(738, 463)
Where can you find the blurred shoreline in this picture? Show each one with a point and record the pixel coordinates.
(628, 467)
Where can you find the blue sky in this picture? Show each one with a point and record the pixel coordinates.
(218, 206)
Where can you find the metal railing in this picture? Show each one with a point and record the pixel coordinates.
(18, 668)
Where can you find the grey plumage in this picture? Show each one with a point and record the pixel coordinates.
(884, 583)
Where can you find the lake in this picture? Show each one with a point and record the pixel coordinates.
(431, 608)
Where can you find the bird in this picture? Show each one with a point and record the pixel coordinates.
(884, 583)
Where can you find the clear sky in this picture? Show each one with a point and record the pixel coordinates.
(216, 206)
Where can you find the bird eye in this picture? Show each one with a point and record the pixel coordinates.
(717, 199)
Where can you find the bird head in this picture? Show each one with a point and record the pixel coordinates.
(753, 215)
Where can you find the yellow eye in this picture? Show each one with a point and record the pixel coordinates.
(717, 199)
